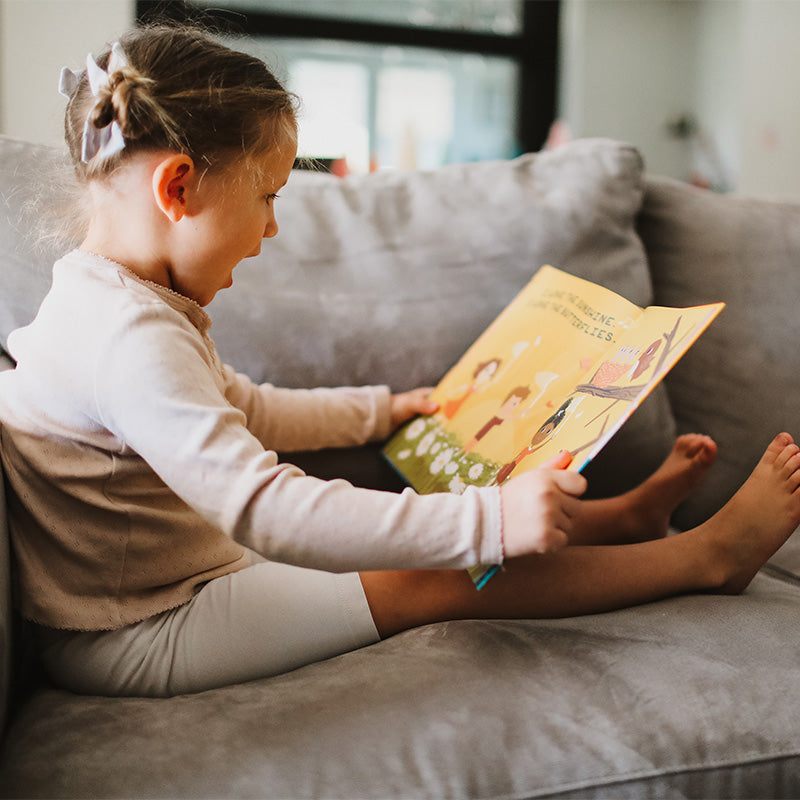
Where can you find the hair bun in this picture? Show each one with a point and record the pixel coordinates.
(103, 113)
(125, 99)
(172, 87)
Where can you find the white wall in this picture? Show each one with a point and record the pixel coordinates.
(629, 66)
(768, 84)
(37, 39)
(717, 88)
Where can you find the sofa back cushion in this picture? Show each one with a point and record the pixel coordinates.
(6, 617)
(26, 261)
(740, 383)
(390, 277)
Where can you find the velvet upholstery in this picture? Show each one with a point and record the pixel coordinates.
(389, 278)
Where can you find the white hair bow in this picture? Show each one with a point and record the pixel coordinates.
(97, 141)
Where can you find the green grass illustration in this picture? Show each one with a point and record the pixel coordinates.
(432, 459)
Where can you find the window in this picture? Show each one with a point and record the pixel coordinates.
(401, 83)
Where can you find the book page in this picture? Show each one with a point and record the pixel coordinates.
(644, 353)
(561, 368)
(513, 379)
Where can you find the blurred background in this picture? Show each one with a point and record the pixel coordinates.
(706, 89)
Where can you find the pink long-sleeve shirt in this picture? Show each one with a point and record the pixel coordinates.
(142, 467)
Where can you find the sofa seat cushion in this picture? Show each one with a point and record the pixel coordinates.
(673, 699)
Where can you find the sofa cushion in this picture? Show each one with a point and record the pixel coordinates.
(6, 616)
(735, 384)
(430, 257)
(674, 699)
(390, 277)
(25, 260)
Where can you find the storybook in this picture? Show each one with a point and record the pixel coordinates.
(562, 368)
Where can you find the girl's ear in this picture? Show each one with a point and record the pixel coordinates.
(171, 180)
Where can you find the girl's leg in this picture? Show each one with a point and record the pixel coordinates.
(264, 620)
(644, 512)
(723, 555)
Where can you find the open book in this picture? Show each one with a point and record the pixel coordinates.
(561, 368)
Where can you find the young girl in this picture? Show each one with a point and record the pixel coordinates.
(146, 494)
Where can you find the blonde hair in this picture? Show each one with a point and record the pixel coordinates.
(183, 91)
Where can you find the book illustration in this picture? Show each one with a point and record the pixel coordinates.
(482, 376)
(562, 368)
(539, 439)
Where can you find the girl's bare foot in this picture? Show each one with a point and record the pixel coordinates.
(759, 518)
(650, 505)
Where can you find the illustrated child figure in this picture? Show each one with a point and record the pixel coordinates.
(504, 413)
(481, 377)
(161, 547)
(539, 439)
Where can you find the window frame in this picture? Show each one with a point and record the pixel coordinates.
(534, 49)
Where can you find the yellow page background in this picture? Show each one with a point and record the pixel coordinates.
(559, 333)
(547, 340)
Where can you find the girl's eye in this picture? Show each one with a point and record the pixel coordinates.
(271, 197)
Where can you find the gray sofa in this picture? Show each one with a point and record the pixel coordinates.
(388, 278)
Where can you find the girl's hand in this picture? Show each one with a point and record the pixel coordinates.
(404, 406)
(540, 506)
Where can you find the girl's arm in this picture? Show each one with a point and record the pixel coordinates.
(159, 392)
(289, 420)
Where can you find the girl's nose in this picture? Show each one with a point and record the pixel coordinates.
(271, 228)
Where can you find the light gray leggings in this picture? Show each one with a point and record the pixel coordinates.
(261, 621)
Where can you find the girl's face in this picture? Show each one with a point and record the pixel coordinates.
(236, 213)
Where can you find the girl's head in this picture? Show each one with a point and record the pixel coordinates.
(183, 143)
(177, 89)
